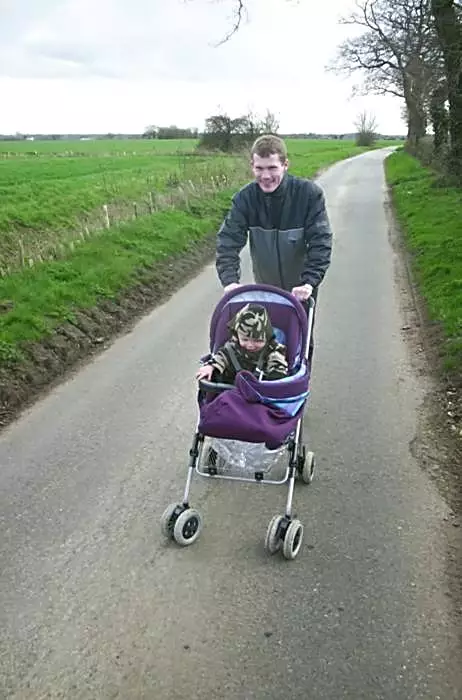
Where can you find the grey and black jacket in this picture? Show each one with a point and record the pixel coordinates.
(290, 238)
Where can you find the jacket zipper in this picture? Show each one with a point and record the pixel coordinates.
(278, 253)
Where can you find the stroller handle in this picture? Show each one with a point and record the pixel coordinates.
(214, 387)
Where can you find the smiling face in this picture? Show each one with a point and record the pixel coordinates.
(250, 344)
(269, 171)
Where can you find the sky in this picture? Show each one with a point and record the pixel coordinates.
(97, 66)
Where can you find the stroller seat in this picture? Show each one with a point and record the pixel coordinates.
(280, 335)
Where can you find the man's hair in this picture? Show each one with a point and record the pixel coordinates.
(269, 145)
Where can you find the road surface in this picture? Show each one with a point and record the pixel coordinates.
(94, 605)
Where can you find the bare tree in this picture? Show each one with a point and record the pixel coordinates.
(223, 133)
(440, 119)
(270, 124)
(396, 54)
(239, 12)
(448, 20)
(151, 132)
(219, 132)
(366, 126)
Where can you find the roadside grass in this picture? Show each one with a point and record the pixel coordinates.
(431, 217)
(37, 300)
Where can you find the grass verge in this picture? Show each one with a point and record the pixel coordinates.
(37, 300)
(431, 217)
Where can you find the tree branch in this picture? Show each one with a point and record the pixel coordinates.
(239, 12)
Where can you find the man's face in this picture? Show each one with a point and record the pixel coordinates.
(268, 172)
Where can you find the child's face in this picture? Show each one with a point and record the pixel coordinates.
(250, 344)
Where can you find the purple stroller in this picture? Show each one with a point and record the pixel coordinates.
(252, 422)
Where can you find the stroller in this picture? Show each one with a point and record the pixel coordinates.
(249, 425)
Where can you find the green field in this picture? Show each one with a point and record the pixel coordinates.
(45, 200)
(54, 197)
(142, 146)
(97, 146)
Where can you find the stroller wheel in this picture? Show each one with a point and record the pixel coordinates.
(187, 527)
(308, 467)
(273, 539)
(293, 539)
(169, 517)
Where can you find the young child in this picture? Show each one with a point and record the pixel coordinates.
(251, 346)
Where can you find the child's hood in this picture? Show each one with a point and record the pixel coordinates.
(253, 322)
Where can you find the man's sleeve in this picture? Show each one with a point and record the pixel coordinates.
(231, 238)
(318, 239)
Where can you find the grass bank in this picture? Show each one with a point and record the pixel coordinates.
(35, 301)
(430, 214)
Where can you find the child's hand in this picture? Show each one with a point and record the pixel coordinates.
(205, 372)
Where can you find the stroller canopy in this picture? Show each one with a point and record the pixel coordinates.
(288, 318)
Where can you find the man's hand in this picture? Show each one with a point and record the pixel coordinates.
(230, 287)
(205, 372)
(303, 293)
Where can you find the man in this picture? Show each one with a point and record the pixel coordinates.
(285, 217)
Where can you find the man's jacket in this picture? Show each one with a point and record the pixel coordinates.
(290, 238)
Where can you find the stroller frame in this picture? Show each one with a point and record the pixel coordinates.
(183, 523)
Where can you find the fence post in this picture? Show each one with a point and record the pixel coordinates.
(22, 258)
(107, 223)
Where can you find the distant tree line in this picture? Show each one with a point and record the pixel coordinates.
(169, 132)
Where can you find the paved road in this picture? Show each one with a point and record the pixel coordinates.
(94, 605)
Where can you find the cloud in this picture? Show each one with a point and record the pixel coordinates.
(142, 39)
(129, 58)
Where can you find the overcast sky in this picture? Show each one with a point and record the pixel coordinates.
(121, 65)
